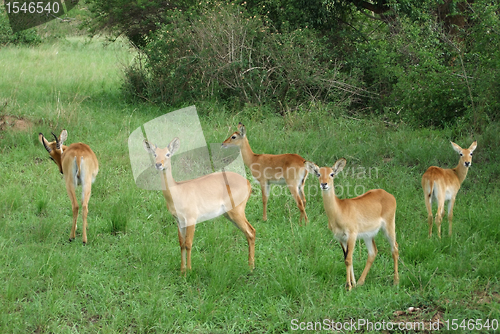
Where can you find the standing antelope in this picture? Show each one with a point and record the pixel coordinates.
(79, 165)
(358, 218)
(443, 185)
(286, 169)
(203, 198)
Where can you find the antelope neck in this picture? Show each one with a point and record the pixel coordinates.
(168, 179)
(329, 195)
(461, 171)
(246, 152)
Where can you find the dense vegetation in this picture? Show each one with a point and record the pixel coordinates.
(423, 63)
(387, 92)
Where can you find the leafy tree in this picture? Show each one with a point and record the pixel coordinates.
(135, 19)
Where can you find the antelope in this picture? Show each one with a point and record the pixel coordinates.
(79, 165)
(267, 169)
(358, 218)
(444, 184)
(202, 198)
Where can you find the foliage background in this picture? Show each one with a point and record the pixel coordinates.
(424, 63)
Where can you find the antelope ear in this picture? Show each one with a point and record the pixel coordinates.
(457, 148)
(242, 130)
(62, 137)
(312, 168)
(44, 141)
(174, 145)
(473, 146)
(150, 148)
(339, 166)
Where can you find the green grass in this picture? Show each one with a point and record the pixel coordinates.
(127, 278)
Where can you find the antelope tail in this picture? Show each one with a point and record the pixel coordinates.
(429, 189)
(81, 176)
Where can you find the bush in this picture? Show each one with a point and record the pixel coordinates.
(482, 61)
(415, 66)
(218, 52)
(427, 76)
(409, 67)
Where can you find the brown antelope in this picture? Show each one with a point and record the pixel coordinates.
(443, 185)
(358, 218)
(289, 169)
(202, 198)
(79, 165)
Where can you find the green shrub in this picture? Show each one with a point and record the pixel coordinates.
(410, 70)
(413, 66)
(483, 63)
(426, 76)
(220, 53)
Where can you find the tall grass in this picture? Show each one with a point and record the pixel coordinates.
(127, 278)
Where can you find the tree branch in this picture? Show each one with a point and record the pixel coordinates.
(378, 8)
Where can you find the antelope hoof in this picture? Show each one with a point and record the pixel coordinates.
(71, 239)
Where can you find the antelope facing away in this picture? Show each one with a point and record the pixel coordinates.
(202, 198)
(78, 163)
(358, 218)
(289, 169)
(443, 185)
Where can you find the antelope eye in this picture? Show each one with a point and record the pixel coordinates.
(471, 154)
(167, 155)
(331, 175)
(233, 137)
(461, 155)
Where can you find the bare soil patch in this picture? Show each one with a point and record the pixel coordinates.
(418, 319)
(14, 123)
(486, 297)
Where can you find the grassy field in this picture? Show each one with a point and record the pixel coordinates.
(126, 280)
